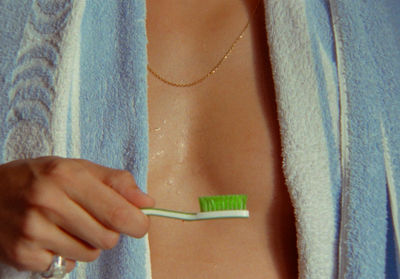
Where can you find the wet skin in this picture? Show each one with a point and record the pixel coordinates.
(218, 137)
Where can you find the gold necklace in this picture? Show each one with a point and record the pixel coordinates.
(216, 66)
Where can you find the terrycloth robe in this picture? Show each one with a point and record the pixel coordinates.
(73, 83)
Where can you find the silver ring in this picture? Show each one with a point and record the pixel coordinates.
(57, 269)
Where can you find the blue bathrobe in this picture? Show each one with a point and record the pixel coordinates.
(73, 83)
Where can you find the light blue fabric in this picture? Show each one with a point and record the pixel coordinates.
(320, 31)
(113, 119)
(114, 110)
(371, 56)
(113, 105)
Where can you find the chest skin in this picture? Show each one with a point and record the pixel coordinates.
(218, 137)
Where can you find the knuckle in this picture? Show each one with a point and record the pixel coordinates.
(28, 226)
(70, 265)
(122, 178)
(92, 255)
(125, 175)
(55, 166)
(36, 195)
(50, 180)
(143, 228)
(109, 240)
(41, 196)
(60, 168)
(17, 254)
(118, 217)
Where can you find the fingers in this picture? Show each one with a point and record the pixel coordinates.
(76, 221)
(33, 245)
(52, 238)
(72, 208)
(33, 248)
(111, 209)
(24, 255)
(121, 181)
(84, 183)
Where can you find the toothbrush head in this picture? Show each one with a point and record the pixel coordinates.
(224, 202)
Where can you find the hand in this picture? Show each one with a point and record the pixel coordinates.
(69, 207)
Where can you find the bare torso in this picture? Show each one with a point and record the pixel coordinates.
(218, 137)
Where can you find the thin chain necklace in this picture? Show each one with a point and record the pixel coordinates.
(216, 66)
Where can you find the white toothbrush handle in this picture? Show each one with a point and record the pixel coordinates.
(196, 216)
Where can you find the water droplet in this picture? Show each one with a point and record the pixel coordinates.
(158, 154)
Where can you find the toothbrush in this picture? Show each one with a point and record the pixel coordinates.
(212, 207)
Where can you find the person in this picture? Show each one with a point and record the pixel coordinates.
(80, 111)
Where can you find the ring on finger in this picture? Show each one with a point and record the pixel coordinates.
(57, 269)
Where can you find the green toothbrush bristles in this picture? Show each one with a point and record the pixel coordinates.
(225, 202)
